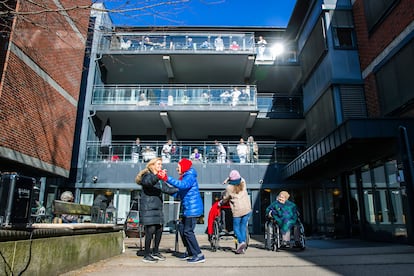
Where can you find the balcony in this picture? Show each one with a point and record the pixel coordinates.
(117, 167)
(201, 43)
(270, 152)
(147, 97)
(186, 42)
(173, 97)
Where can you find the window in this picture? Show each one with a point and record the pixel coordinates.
(344, 38)
(376, 11)
(394, 81)
(343, 29)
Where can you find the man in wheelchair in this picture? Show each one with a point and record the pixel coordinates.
(284, 214)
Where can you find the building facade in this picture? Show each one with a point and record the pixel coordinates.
(331, 115)
(41, 69)
(360, 159)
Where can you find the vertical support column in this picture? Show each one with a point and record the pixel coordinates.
(407, 161)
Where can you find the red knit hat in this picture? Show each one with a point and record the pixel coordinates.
(185, 165)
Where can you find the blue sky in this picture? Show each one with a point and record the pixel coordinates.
(237, 13)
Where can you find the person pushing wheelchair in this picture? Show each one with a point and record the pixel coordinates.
(285, 214)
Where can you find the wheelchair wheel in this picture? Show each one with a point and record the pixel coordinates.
(269, 233)
(214, 241)
(277, 237)
(302, 240)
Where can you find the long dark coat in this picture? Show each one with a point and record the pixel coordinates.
(151, 203)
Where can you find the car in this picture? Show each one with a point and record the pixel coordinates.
(132, 227)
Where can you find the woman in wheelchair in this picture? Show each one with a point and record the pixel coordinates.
(285, 214)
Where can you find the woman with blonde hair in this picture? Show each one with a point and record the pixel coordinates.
(151, 207)
(241, 208)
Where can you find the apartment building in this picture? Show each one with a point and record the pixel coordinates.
(193, 86)
(310, 109)
(331, 114)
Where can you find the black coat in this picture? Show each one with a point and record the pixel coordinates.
(151, 203)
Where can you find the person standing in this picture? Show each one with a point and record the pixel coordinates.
(221, 152)
(236, 194)
(253, 156)
(261, 44)
(219, 44)
(242, 151)
(166, 151)
(136, 150)
(151, 208)
(192, 206)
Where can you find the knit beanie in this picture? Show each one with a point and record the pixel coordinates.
(234, 178)
(185, 165)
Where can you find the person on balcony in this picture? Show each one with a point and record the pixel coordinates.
(235, 94)
(261, 44)
(242, 151)
(219, 44)
(234, 46)
(196, 156)
(166, 152)
(148, 153)
(136, 150)
(221, 152)
(189, 44)
(253, 156)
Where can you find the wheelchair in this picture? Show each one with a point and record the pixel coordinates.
(223, 229)
(273, 236)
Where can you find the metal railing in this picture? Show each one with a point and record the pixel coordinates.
(178, 42)
(194, 95)
(127, 151)
(197, 42)
(156, 95)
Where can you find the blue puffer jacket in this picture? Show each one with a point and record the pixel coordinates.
(188, 193)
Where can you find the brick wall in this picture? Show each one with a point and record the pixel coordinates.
(37, 120)
(370, 45)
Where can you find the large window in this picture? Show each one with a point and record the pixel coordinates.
(382, 194)
(320, 120)
(395, 81)
(314, 48)
(376, 10)
(343, 29)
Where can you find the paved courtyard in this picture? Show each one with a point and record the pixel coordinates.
(321, 257)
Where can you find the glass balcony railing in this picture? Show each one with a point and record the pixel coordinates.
(128, 151)
(225, 43)
(178, 42)
(280, 105)
(168, 96)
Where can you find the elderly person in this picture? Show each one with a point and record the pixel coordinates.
(285, 214)
(67, 196)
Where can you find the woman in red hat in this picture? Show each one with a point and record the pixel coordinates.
(192, 203)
